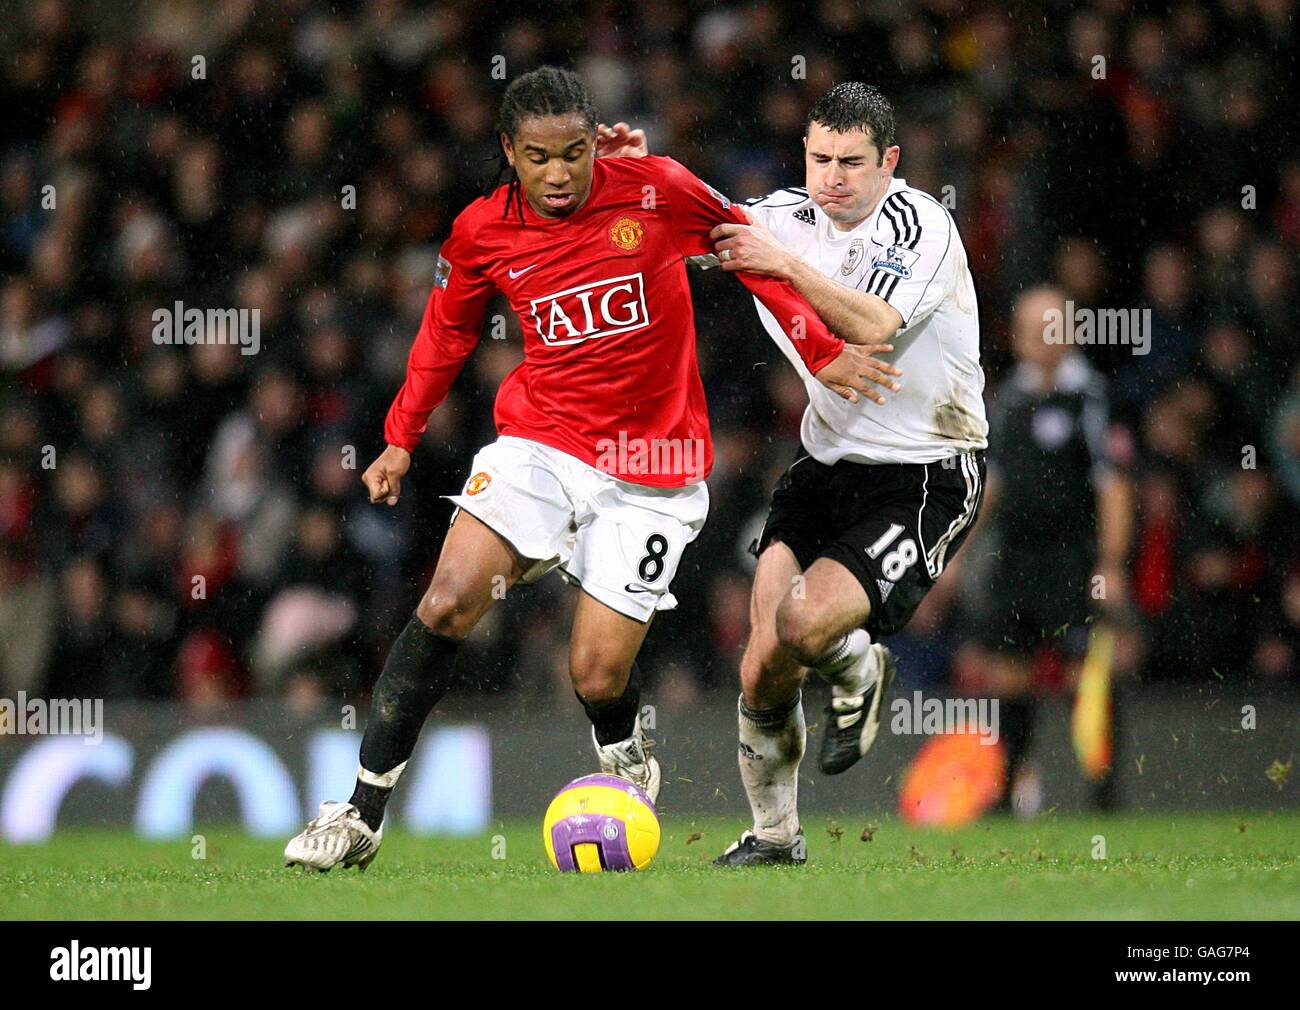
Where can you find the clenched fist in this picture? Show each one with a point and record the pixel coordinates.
(383, 478)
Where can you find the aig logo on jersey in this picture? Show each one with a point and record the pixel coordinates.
(897, 260)
(598, 309)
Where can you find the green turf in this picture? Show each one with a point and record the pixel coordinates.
(1180, 866)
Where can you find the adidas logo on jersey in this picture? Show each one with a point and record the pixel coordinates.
(885, 589)
(806, 215)
(597, 309)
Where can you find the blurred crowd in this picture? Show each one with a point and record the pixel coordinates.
(188, 522)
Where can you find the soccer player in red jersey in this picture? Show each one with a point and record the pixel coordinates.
(604, 433)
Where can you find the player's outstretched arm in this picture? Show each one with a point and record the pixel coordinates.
(857, 316)
(448, 334)
(696, 209)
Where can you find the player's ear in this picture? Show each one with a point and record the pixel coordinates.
(508, 148)
(890, 161)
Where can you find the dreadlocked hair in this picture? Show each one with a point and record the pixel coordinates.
(546, 91)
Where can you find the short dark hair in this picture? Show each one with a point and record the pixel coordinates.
(855, 106)
(546, 91)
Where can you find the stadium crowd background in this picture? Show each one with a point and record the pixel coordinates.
(228, 191)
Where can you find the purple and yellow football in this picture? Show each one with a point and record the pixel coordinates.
(598, 823)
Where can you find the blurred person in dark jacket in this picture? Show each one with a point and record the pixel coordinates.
(1061, 512)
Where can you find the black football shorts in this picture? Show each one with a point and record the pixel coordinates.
(894, 526)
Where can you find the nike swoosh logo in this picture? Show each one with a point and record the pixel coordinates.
(519, 273)
(629, 588)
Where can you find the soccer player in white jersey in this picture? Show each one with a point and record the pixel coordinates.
(881, 494)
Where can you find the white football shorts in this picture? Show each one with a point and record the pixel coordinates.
(620, 542)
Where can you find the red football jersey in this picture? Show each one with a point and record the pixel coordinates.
(609, 330)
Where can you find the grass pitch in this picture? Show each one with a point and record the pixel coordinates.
(1155, 867)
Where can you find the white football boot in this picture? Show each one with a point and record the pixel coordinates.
(631, 759)
(336, 835)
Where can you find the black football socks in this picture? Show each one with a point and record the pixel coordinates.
(415, 676)
(1016, 717)
(615, 720)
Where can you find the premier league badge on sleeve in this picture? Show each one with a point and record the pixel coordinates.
(726, 204)
(441, 272)
(897, 260)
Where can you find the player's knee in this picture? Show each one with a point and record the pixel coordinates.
(447, 613)
(801, 632)
(596, 676)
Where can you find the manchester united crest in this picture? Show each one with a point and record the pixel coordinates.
(478, 482)
(626, 233)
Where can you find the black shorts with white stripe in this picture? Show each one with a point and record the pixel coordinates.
(894, 526)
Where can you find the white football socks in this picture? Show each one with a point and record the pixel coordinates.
(840, 667)
(772, 743)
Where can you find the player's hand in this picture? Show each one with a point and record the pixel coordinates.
(620, 141)
(383, 478)
(857, 372)
(752, 248)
